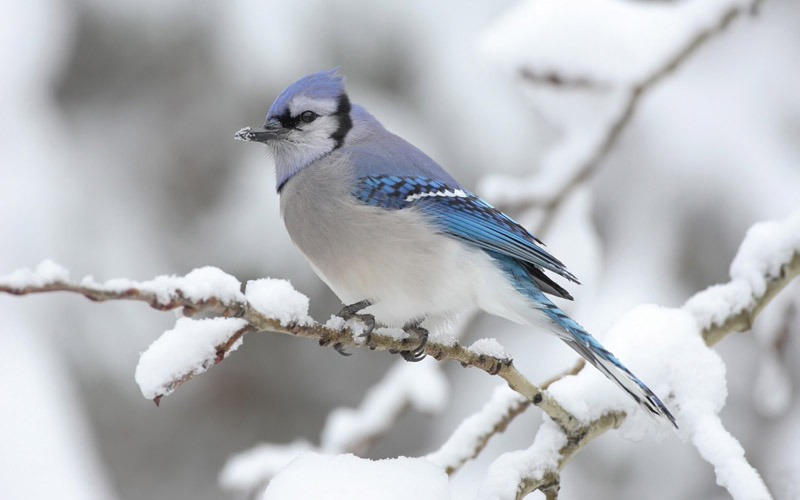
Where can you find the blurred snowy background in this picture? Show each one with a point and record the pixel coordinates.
(117, 159)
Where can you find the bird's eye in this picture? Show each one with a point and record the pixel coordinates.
(308, 116)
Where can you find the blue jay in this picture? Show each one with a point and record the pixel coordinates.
(395, 236)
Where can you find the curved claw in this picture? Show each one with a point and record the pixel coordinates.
(340, 349)
(418, 354)
(412, 356)
(369, 324)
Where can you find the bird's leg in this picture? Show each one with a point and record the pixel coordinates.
(348, 312)
(351, 311)
(414, 328)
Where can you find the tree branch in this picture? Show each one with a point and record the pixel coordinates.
(575, 441)
(479, 428)
(551, 203)
(168, 296)
(743, 320)
(240, 307)
(737, 320)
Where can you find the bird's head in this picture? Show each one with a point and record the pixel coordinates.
(308, 120)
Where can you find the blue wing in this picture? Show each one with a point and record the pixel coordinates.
(462, 215)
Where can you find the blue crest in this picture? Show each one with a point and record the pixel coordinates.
(320, 85)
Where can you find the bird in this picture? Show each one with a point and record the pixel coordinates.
(397, 238)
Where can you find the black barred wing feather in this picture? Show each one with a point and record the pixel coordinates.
(460, 214)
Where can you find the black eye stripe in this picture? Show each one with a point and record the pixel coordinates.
(287, 120)
(342, 113)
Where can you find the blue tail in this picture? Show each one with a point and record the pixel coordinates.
(594, 352)
(581, 341)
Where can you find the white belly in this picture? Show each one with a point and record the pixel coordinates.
(391, 257)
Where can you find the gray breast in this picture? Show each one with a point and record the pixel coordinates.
(318, 209)
(360, 251)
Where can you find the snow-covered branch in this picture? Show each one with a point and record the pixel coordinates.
(767, 260)
(743, 315)
(474, 433)
(578, 407)
(267, 305)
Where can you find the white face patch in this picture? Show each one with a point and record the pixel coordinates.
(303, 145)
(446, 193)
(319, 106)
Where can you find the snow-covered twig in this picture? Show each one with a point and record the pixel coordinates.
(539, 459)
(422, 387)
(263, 314)
(767, 260)
(743, 320)
(500, 414)
(474, 433)
(404, 386)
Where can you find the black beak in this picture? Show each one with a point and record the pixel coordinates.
(270, 131)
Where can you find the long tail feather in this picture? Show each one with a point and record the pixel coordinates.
(579, 339)
(594, 352)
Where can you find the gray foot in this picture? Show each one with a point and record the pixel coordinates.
(351, 311)
(418, 354)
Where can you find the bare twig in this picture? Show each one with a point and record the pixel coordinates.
(566, 373)
(556, 80)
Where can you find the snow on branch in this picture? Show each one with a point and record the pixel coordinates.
(266, 305)
(670, 346)
(767, 260)
(315, 476)
(422, 387)
(587, 65)
(474, 433)
(666, 347)
(186, 351)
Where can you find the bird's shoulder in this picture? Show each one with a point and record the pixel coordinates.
(371, 149)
